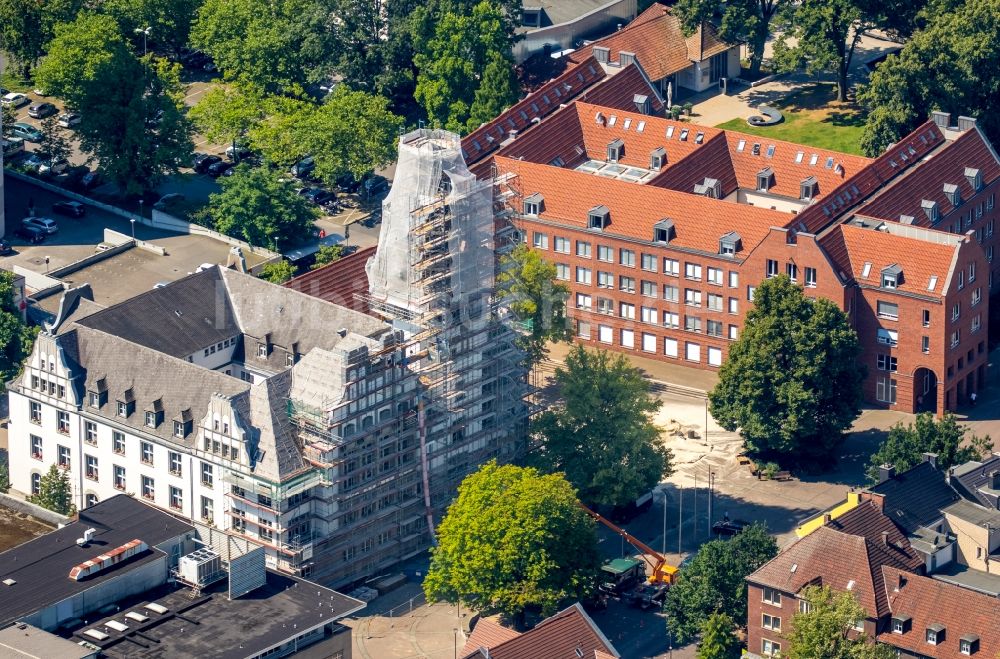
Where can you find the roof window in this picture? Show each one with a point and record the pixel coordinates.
(808, 188)
(730, 243)
(742, 144)
(684, 134)
(599, 217)
(974, 177)
(764, 179)
(533, 204)
(616, 150)
(953, 193)
(663, 231)
(770, 151)
(670, 132)
(657, 158)
(699, 137)
(756, 149)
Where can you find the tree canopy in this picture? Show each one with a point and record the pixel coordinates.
(326, 255)
(603, 436)
(169, 21)
(718, 638)
(15, 337)
(27, 26)
(256, 206)
(527, 283)
(278, 272)
(826, 629)
(792, 382)
(225, 113)
(714, 582)
(905, 446)
(512, 539)
(54, 492)
(741, 21)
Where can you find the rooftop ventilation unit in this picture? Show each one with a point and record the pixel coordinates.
(107, 560)
(200, 568)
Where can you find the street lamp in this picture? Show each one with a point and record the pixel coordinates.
(711, 484)
(145, 34)
(132, 222)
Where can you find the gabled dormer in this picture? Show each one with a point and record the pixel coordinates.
(663, 231)
(616, 150)
(125, 404)
(975, 178)
(599, 218)
(533, 204)
(931, 210)
(892, 277)
(808, 189)
(765, 179)
(953, 193)
(730, 243)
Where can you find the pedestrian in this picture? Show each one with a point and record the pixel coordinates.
(972, 398)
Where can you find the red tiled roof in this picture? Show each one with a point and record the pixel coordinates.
(486, 634)
(658, 42)
(835, 559)
(929, 602)
(339, 281)
(712, 160)
(927, 180)
(562, 636)
(487, 138)
(867, 521)
(619, 90)
(851, 247)
(699, 222)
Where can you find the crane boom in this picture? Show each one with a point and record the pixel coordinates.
(662, 572)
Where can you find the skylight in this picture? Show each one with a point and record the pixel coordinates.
(866, 270)
(740, 146)
(799, 156)
(932, 283)
(813, 159)
(670, 132)
(640, 126)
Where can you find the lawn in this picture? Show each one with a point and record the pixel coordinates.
(813, 117)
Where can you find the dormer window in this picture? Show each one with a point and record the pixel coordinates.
(616, 150)
(183, 424)
(154, 415)
(533, 204)
(641, 102)
(663, 231)
(599, 217)
(126, 404)
(764, 177)
(892, 276)
(968, 644)
(808, 189)
(975, 178)
(262, 350)
(151, 419)
(729, 244)
(930, 209)
(934, 634)
(657, 158)
(900, 624)
(953, 193)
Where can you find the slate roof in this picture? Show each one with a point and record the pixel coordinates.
(927, 602)
(658, 42)
(836, 559)
(619, 90)
(916, 497)
(569, 634)
(867, 521)
(851, 247)
(339, 281)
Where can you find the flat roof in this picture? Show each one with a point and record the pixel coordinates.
(27, 642)
(40, 567)
(967, 577)
(215, 626)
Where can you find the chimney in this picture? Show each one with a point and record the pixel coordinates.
(994, 480)
(885, 538)
(878, 500)
(886, 472)
(932, 458)
(827, 518)
(942, 119)
(965, 123)
(901, 582)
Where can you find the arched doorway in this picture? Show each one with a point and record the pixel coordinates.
(925, 392)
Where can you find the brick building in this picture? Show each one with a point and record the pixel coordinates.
(663, 229)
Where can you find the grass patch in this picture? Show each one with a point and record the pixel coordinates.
(15, 83)
(812, 117)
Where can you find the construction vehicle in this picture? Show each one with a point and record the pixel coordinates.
(662, 573)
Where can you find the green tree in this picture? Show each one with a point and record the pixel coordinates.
(527, 283)
(4, 477)
(326, 255)
(449, 67)
(718, 638)
(226, 113)
(26, 26)
(16, 338)
(513, 538)
(255, 205)
(826, 629)
(952, 65)
(169, 21)
(603, 437)
(497, 91)
(278, 272)
(742, 21)
(715, 581)
(822, 36)
(54, 143)
(905, 445)
(132, 109)
(8, 115)
(54, 492)
(792, 384)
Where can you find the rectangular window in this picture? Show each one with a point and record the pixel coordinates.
(648, 315)
(90, 432)
(119, 478)
(648, 342)
(628, 338)
(562, 271)
(626, 284)
(583, 249)
(35, 411)
(888, 337)
(750, 290)
(122, 409)
(175, 463)
(715, 357)
(583, 329)
(583, 276)
(810, 277)
(977, 297)
(583, 302)
(956, 338)
(886, 363)
(713, 328)
(772, 268)
(649, 262)
(885, 390)
(692, 271)
(671, 320)
(91, 467)
(605, 253)
(604, 334)
(670, 347)
(94, 399)
(770, 622)
(692, 297)
(734, 279)
(626, 310)
(888, 310)
(771, 596)
(805, 606)
(977, 322)
(146, 452)
(36, 447)
(176, 498)
(207, 509)
(540, 240)
(604, 279)
(972, 272)
(118, 442)
(648, 288)
(64, 457)
(714, 302)
(671, 293)
(692, 352)
(956, 311)
(715, 276)
(626, 257)
(148, 488)
(792, 271)
(770, 648)
(606, 306)
(734, 305)
(560, 244)
(150, 419)
(734, 332)
(692, 323)
(671, 267)
(925, 344)
(62, 420)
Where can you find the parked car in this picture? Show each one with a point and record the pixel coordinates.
(319, 196)
(43, 224)
(53, 167)
(32, 162)
(238, 154)
(5, 247)
(31, 235)
(203, 161)
(26, 132)
(217, 169)
(12, 146)
(303, 167)
(168, 200)
(647, 596)
(42, 110)
(90, 180)
(729, 527)
(70, 208)
(68, 119)
(15, 99)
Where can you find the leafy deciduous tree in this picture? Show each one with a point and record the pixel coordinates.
(527, 283)
(278, 272)
(742, 21)
(497, 91)
(715, 581)
(718, 638)
(792, 384)
(226, 113)
(326, 255)
(27, 26)
(512, 539)
(169, 21)
(825, 630)
(54, 143)
(4, 478)
(905, 445)
(54, 492)
(15, 337)
(603, 438)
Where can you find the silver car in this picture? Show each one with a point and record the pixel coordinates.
(45, 224)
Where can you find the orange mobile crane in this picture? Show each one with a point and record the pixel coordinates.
(662, 572)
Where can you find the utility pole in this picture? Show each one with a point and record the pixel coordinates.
(664, 493)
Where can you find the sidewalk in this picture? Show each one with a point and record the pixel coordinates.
(658, 371)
